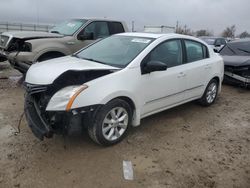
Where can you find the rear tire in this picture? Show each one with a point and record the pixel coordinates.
(111, 123)
(210, 93)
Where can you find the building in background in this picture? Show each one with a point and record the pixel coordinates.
(159, 29)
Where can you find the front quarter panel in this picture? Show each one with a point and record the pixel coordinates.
(104, 89)
(41, 46)
(123, 83)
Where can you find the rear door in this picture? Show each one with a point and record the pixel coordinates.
(198, 68)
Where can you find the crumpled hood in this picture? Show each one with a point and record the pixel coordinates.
(46, 72)
(236, 60)
(31, 34)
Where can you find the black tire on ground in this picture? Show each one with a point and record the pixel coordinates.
(95, 129)
(205, 100)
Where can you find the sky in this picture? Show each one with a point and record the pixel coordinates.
(214, 15)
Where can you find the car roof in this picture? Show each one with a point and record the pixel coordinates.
(207, 37)
(96, 19)
(240, 40)
(154, 35)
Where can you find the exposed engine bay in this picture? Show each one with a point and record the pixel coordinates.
(44, 123)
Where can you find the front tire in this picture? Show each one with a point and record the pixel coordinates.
(210, 93)
(111, 123)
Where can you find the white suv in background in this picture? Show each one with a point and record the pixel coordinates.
(114, 83)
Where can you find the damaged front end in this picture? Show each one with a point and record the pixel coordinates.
(44, 123)
(11, 48)
(17, 48)
(239, 75)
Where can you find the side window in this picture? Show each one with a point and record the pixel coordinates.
(194, 51)
(217, 42)
(169, 52)
(223, 41)
(99, 29)
(115, 27)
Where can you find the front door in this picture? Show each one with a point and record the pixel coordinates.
(97, 29)
(163, 89)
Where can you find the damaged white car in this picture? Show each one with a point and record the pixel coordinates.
(109, 86)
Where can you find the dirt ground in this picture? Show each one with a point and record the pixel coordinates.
(188, 146)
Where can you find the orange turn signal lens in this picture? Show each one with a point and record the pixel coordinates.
(72, 99)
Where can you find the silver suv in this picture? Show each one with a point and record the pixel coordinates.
(23, 48)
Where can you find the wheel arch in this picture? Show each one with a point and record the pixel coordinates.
(217, 79)
(50, 53)
(132, 104)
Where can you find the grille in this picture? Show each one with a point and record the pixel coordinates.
(3, 41)
(32, 89)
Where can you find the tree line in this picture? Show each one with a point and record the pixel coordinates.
(228, 32)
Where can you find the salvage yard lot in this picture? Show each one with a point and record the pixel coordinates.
(188, 146)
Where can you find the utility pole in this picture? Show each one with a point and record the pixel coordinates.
(177, 26)
(37, 13)
(133, 26)
(185, 29)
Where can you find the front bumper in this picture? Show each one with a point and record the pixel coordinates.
(21, 60)
(46, 123)
(38, 125)
(237, 75)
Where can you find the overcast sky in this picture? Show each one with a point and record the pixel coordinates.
(214, 15)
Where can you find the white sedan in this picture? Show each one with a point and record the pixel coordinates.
(109, 86)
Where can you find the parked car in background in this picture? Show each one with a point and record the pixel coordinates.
(112, 84)
(236, 56)
(217, 43)
(23, 48)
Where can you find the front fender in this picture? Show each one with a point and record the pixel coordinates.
(51, 49)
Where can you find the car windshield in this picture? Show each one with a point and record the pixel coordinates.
(68, 27)
(209, 41)
(236, 48)
(116, 50)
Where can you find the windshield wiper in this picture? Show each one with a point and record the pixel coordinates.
(243, 50)
(90, 59)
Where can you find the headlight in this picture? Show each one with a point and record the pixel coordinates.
(66, 96)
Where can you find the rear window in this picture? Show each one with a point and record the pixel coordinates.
(236, 48)
(115, 27)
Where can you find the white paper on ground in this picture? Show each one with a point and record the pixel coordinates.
(128, 170)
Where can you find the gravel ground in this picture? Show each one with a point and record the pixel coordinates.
(187, 146)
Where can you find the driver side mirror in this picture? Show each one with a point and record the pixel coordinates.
(216, 51)
(153, 66)
(86, 36)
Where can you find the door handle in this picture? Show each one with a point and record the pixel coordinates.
(181, 75)
(70, 42)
